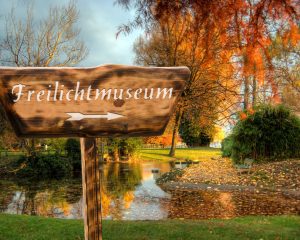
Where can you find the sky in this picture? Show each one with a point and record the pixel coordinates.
(98, 21)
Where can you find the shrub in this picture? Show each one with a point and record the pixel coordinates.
(44, 167)
(123, 148)
(72, 148)
(269, 133)
(130, 146)
(227, 146)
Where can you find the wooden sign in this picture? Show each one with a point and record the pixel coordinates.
(110, 100)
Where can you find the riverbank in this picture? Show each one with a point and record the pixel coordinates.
(276, 227)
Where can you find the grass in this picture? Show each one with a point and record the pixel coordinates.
(28, 227)
(8, 157)
(180, 154)
(145, 154)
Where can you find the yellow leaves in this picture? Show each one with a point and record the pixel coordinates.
(281, 175)
(219, 134)
(216, 171)
(105, 202)
(128, 198)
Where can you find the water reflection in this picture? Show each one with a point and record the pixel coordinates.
(214, 204)
(119, 181)
(129, 192)
(53, 199)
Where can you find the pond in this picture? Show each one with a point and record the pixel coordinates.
(129, 192)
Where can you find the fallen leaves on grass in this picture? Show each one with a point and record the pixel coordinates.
(276, 176)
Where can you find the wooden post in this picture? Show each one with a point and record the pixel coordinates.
(91, 190)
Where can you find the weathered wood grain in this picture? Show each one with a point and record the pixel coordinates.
(91, 190)
(141, 117)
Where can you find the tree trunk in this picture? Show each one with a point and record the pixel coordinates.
(246, 93)
(175, 130)
(29, 145)
(254, 92)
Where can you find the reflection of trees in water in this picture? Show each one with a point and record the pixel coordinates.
(62, 198)
(119, 180)
(43, 198)
(29, 206)
(7, 190)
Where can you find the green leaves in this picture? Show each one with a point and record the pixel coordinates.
(193, 134)
(270, 133)
(44, 167)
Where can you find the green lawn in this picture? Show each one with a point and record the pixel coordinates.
(147, 154)
(13, 227)
(186, 153)
(10, 156)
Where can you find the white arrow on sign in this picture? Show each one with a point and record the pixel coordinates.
(80, 116)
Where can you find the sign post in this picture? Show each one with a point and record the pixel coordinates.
(109, 100)
(91, 189)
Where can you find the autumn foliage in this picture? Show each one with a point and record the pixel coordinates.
(164, 140)
(229, 47)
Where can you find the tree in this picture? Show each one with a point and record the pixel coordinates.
(243, 30)
(53, 41)
(8, 139)
(163, 141)
(72, 148)
(177, 43)
(285, 54)
(194, 135)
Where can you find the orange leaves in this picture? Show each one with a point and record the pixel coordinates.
(164, 140)
(244, 115)
(254, 63)
(223, 43)
(251, 111)
(276, 99)
(292, 36)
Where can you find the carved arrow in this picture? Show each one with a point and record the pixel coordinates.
(80, 116)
